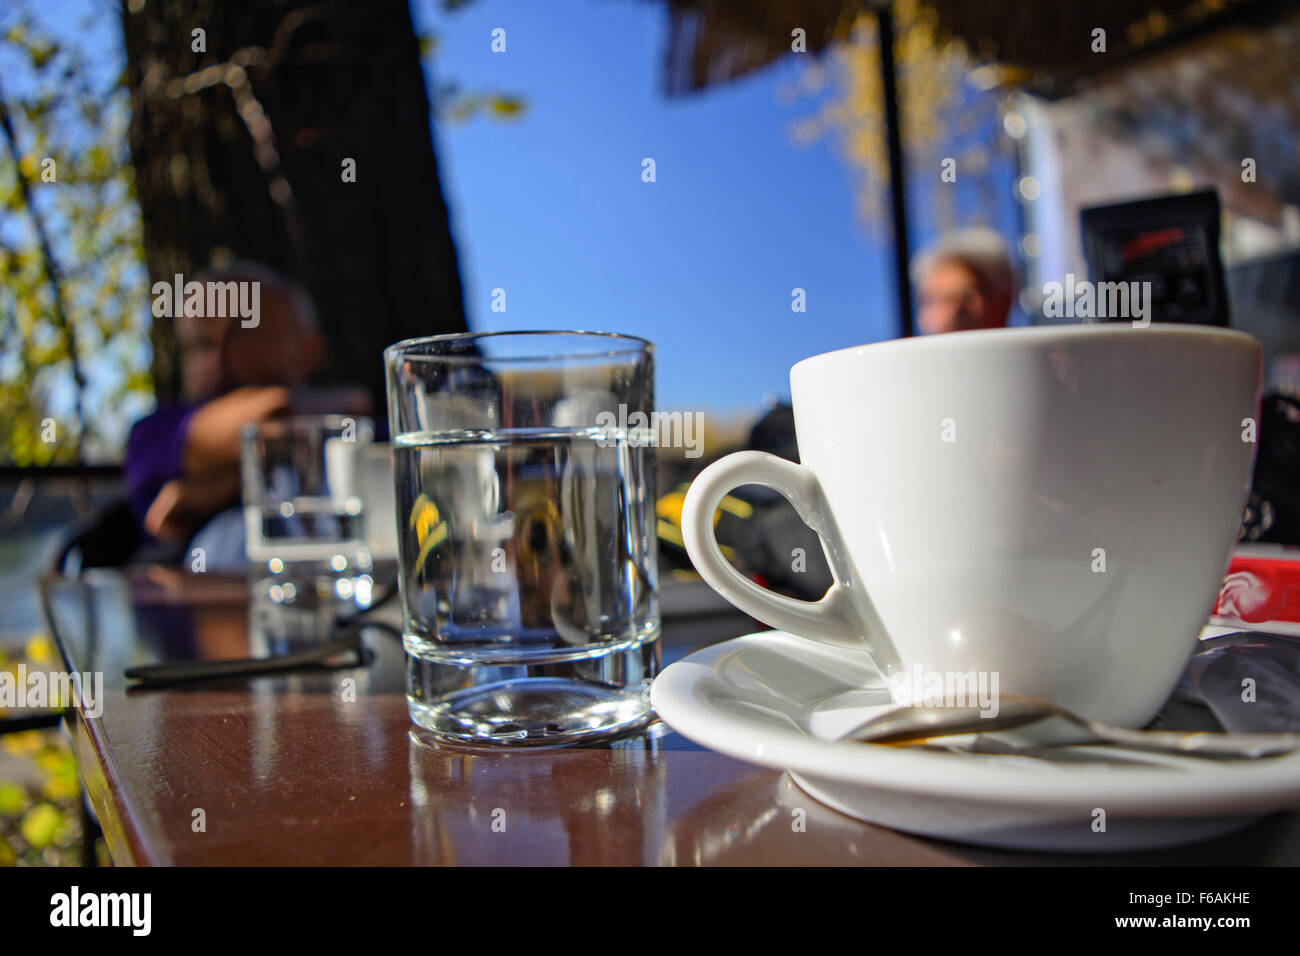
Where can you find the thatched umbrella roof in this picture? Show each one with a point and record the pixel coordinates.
(713, 41)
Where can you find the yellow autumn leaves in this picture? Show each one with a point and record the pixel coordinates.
(39, 796)
(430, 530)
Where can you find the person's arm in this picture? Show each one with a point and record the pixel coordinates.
(212, 439)
(209, 481)
(184, 504)
(182, 464)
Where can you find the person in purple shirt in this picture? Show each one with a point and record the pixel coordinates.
(182, 461)
(154, 453)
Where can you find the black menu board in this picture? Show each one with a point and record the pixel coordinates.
(1172, 242)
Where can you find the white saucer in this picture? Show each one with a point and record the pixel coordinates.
(781, 701)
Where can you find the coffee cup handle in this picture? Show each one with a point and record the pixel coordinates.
(832, 619)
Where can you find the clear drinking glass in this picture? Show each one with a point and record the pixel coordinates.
(527, 549)
(303, 511)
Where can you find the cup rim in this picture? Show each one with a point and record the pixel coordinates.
(636, 345)
(1017, 334)
(296, 424)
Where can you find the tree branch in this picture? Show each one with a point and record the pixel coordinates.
(53, 274)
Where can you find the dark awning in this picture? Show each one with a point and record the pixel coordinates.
(1048, 43)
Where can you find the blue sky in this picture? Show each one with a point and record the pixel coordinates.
(552, 207)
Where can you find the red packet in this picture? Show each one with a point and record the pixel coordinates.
(1261, 590)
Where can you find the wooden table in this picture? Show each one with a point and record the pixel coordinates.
(292, 769)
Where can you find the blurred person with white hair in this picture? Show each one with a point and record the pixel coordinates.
(964, 281)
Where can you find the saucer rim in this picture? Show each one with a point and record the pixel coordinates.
(1201, 788)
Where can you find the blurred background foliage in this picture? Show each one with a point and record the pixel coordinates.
(40, 818)
(942, 114)
(73, 306)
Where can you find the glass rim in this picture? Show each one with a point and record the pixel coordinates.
(635, 345)
(301, 423)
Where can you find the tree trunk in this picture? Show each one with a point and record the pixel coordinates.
(239, 152)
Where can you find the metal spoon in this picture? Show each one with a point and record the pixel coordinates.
(910, 725)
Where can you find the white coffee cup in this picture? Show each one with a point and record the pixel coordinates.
(1052, 506)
